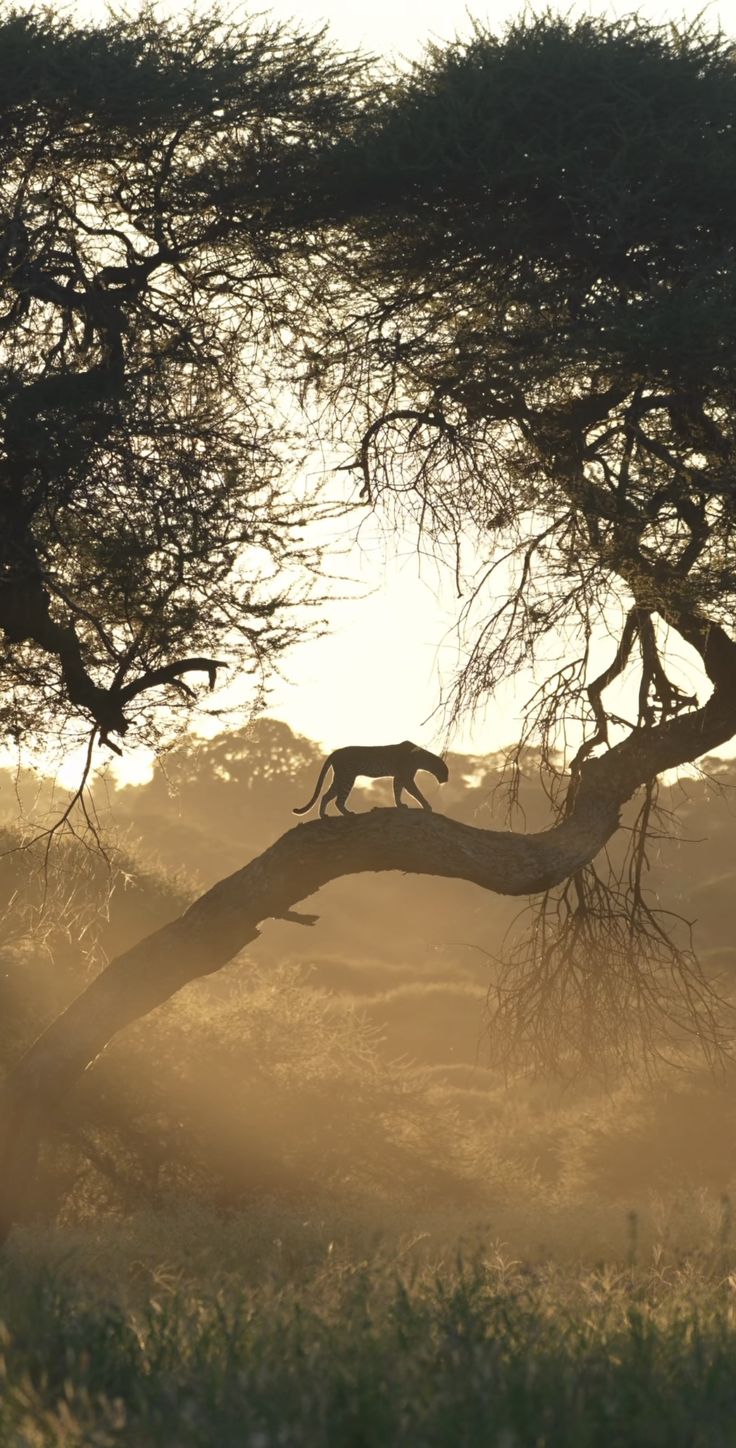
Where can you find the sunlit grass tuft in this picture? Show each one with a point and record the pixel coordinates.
(386, 1347)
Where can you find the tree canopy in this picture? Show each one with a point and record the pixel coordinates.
(545, 257)
(150, 516)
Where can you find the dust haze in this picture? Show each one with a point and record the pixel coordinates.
(342, 1074)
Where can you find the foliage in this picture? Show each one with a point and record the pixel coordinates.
(149, 510)
(63, 911)
(373, 1351)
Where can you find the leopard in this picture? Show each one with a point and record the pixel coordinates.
(375, 761)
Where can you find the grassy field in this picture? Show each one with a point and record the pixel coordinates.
(311, 1342)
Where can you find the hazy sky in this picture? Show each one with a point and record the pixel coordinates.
(376, 677)
(401, 27)
(404, 27)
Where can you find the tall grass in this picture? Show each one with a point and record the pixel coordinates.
(380, 1349)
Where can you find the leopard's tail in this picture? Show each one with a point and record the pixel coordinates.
(305, 808)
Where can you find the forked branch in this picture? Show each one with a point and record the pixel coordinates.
(658, 694)
(152, 679)
(596, 688)
(660, 698)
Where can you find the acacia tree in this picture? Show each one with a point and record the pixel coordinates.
(543, 357)
(149, 517)
(525, 312)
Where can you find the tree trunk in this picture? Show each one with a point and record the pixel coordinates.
(227, 917)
